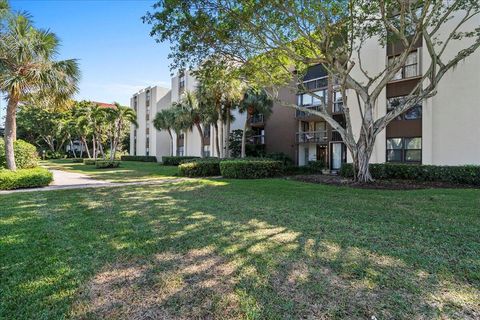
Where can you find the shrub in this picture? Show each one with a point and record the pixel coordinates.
(89, 162)
(26, 155)
(280, 156)
(452, 174)
(54, 155)
(77, 160)
(139, 158)
(200, 168)
(104, 164)
(176, 160)
(316, 166)
(25, 178)
(250, 169)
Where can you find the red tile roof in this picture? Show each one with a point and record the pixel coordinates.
(104, 105)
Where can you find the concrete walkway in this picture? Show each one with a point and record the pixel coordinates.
(64, 180)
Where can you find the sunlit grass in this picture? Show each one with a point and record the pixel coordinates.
(264, 249)
(128, 170)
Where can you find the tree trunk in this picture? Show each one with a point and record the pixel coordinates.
(94, 143)
(244, 138)
(73, 150)
(11, 132)
(171, 141)
(227, 140)
(361, 157)
(86, 147)
(217, 144)
(202, 142)
(222, 141)
(100, 148)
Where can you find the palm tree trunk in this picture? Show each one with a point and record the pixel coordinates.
(94, 142)
(222, 142)
(227, 138)
(202, 142)
(171, 141)
(244, 137)
(73, 150)
(86, 147)
(215, 125)
(11, 132)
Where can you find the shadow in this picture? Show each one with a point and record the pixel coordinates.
(269, 249)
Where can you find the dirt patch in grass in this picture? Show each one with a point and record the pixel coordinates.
(193, 285)
(377, 184)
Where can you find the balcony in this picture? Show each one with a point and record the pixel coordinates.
(312, 137)
(336, 136)
(257, 119)
(303, 114)
(258, 139)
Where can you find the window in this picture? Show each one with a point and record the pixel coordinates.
(135, 103)
(337, 101)
(404, 149)
(147, 99)
(206, 151)
(414, 113)
(307, 99)
(181, 80)
(409, 70)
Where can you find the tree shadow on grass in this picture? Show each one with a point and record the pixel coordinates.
(237, 250)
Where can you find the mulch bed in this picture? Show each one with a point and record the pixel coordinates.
(377, 184)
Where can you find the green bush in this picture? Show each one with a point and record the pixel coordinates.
(77, 160)
(280, 156)
(200, 168)
(316, 166)
(54, 155)
(25, 178)
(452, 174)
(250, 169)
(90, 162)
(104, 164)
(26, 155)
(176, 160)
(139, 158)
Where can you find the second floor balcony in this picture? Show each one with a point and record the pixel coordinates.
(320, 136)
(304, 114)
(257, 119)
(257, 139)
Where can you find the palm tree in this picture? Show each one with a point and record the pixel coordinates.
(82, 115)
(165, 120)
(255, 101)
(118, 118)
(190, 114)
(27, 65)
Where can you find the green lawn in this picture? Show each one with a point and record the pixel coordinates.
(265, 249)
(128, 171)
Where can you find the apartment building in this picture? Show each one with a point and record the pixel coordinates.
(145, 140)
(443, 130)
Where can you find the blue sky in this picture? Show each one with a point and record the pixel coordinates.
(117, 56)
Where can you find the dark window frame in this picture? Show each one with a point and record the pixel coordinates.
(403, 150)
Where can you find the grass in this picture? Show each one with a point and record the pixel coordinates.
(128, 171)
(261, 249)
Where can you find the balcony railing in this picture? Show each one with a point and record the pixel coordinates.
(303, 114)
(312, 137)
(257, 119)
(258, 139)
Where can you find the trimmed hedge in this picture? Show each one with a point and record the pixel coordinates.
(251, 169)
(90, 162)
(139, 158)
(104, 164)
(25, 178)
(452, 174)
(26, 155)
(176, 160)
(77, 160)
(200, 168)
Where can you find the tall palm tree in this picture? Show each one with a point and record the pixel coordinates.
(165, 120)
(255, 101)
(118, 118)
(27, 64)
(190, 114)
(82, 115)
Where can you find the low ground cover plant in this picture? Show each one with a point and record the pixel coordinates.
(139, 158)
(104, 164)
(176, 160)
(251, 168)
(200, 168)
(24, 178)
(452, 174)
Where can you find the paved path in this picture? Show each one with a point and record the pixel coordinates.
(64, 180)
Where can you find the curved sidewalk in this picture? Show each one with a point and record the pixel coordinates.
(64, 180)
